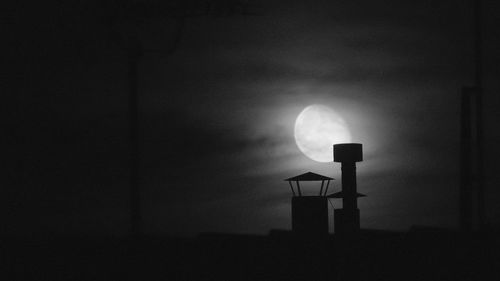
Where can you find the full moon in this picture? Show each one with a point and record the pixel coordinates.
(317, 129)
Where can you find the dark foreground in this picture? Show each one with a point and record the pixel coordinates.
(420, 255)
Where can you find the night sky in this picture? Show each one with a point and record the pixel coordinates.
(217, 114)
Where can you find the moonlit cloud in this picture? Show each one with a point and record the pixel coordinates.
(383, 79)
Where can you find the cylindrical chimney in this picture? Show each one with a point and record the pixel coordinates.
(347, 218)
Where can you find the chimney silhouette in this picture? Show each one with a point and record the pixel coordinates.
(347, 218)
(309, 213)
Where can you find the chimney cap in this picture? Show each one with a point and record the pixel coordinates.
(348, 152)
(309, 176)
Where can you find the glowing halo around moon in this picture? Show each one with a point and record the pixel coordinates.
(317, 129)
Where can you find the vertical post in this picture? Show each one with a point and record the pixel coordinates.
(298, 188)
(472, 156)
(326, 188)
(479, 110)
(321, 189)
(134, 54)
(465, 162)
(350, 199)
(478, 43)
(291, 187)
